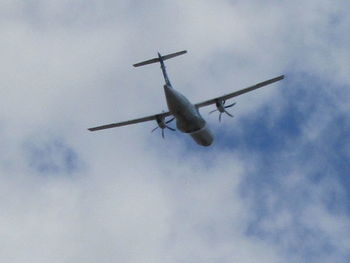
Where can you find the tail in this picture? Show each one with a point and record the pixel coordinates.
(160, 58)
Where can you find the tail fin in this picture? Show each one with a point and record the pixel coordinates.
(155, 60)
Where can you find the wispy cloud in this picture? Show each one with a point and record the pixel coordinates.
(51, 157)
(273, 188)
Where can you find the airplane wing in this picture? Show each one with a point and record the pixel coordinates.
(198, 105)
(118, 124)
(239, 92)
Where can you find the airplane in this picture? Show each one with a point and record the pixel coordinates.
(187, 116)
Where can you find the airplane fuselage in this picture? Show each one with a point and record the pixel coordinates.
(188, 118)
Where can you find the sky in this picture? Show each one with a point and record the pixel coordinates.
(274, 186)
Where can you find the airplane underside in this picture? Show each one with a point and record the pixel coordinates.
(188, 118)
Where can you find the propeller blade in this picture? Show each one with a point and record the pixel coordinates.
(163, 133)
(229, 106)
(229, 114)
(170, 120)
(155, 129)
(172, 129)
(222, 109)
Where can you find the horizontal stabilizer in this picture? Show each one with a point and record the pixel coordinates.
(174, 54)
(155, 60)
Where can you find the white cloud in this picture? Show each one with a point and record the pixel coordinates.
(134, 197)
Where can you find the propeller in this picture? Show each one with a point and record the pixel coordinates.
(221, 108)
(162, 124)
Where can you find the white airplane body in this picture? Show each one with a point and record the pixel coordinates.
(188, 118)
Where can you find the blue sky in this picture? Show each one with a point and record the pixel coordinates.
(274, 187)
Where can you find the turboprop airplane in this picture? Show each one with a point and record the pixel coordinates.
(187, 116)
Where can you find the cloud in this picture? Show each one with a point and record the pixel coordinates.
(51, 157)
(272, 188)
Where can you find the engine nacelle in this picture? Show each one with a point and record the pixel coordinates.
(203, 136)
